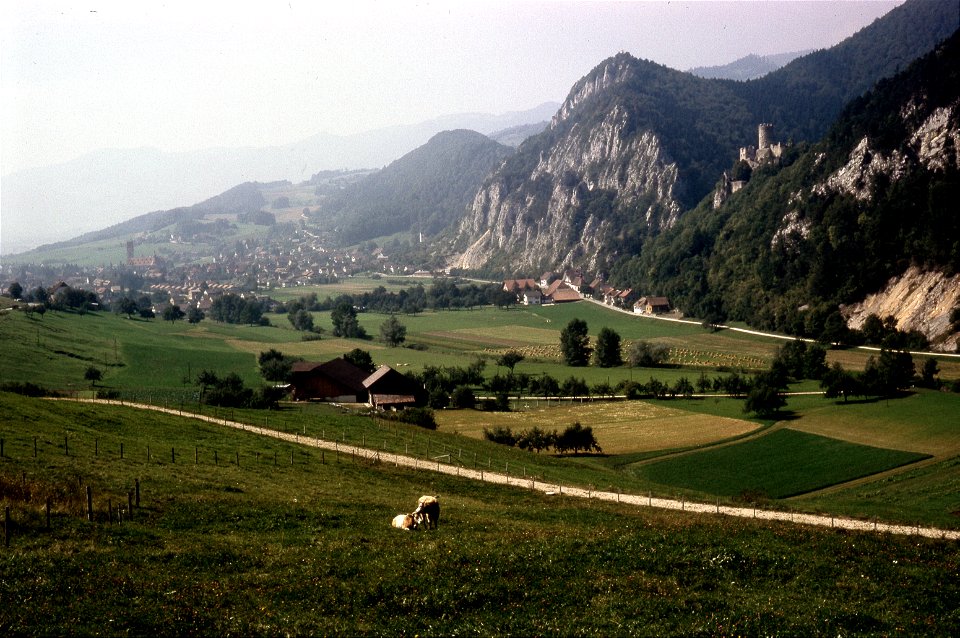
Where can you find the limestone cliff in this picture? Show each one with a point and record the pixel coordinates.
(918, 300)
(574, 193)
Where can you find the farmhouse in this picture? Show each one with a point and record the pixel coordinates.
(390, 389)
(651, 306)
(560, 292)
(336, 380)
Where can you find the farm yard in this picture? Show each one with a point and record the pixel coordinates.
(236, 532)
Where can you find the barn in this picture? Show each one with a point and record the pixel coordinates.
(336, 380)
(389, 389)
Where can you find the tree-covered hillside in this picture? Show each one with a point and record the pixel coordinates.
(423, 191)
(877, 195)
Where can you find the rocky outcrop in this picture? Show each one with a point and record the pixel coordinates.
(918, 300)
(567, 205)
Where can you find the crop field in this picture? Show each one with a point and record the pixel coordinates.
(247, 544)
(622, 427)
(779, 464)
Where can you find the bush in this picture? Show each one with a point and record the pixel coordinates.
(27, 389)
(422, 417)
(501, 435)
(462, 397)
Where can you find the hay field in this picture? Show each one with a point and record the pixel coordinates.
(621, 427)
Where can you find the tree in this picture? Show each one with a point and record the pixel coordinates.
(361, 359)
(647, 355)
(462, 397)
(145, 307)
(275, 366)
(301, 320)
(345, 324)
(574, 387)
(837, 382)
(510, 359)
(889, 374)
(607, 353)
(195, 315)
(683, 387)
(15, 290)
(536, 439)
(575, 343)
(93, 374)
(392, 332)
(126, 306)
(575, 438)
(764, 397)
(929, 372)
(173, 313)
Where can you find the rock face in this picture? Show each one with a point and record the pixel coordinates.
(576, 191)
(918, 300)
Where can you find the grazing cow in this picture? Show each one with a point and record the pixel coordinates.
(405, 522)
(429, 508)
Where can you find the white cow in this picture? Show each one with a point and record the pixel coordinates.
(429, 508)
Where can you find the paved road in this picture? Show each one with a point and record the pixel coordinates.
(556, 489)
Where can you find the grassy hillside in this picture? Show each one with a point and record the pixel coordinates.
(260, 548)
(158, 361)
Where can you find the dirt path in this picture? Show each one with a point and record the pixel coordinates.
(555, 489)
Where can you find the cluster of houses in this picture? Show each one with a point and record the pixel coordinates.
(572, 286)
(340, 381)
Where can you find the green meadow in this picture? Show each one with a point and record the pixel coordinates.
(236, 534)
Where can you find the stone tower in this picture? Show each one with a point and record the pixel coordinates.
(764, 136)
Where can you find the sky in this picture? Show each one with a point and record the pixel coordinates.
(178, 76)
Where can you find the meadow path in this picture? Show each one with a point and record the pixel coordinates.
(555, 489)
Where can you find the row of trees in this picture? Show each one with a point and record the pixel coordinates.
(575, 438)
(443, 294)
(576, 349)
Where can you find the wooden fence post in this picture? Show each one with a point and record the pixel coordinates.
(89, 504)
(173, 455)
(138, 492)
(130, 504)
(66, 445)
(121, 449)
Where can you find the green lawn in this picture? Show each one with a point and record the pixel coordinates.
(780, 464)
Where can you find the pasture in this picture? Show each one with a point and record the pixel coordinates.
(265, 547)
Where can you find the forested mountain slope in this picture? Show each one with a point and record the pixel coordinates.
(424, 191)
(878, 195)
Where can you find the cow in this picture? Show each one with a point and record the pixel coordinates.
(405, 522)
(429, 508)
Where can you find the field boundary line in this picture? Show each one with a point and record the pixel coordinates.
(650, 501)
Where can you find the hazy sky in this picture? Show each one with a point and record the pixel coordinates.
(188, 75)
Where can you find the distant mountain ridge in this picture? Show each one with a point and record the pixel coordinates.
(749, 67)
(53, 203)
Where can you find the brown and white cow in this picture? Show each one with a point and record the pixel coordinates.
(405, 522)
(429, 508)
